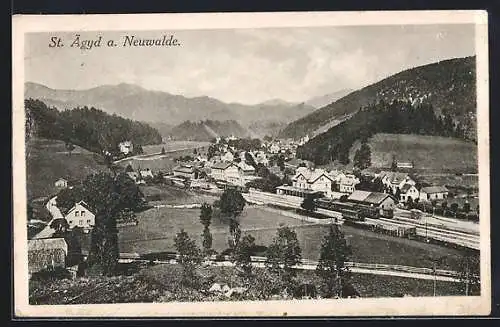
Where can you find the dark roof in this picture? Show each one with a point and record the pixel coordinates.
(434, 189)
(185, 169)
(223, 165)
(376, 197)
(368, 197)
(405, 188)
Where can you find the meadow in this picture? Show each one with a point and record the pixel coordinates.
(157, 228)
(48, 160)
(429, 153)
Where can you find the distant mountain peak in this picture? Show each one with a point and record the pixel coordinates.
(277, 102)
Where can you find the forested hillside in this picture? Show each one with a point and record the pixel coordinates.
(89, 128)
(449, 86)
(207, 130)
(397, 117)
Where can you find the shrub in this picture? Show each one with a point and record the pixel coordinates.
(51, 274)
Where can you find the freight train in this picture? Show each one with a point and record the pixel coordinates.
(353, 211)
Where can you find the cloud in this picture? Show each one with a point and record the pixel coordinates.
(252, 65)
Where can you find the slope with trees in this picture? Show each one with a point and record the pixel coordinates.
(449, 86)
(89, 128)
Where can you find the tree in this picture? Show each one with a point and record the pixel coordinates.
(163, 150)
(107, 197)
(466, 207)
(189, 257)
(250, 160)
(362, 157)
(206, 219)
(70, 147)
(331, 266)
(129, 169)
(284, 253)
(231, 205)
(397, 194)
(394, 164)
(308, 203)
(212, 150)
(242, 256)
(409, 203)
(469, 272)
(60, 225)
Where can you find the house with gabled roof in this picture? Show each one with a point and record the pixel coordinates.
(430, 193)
(395, 180)
(385, 202)
(226, 171)
(186, 171)
(308, 181)
(408, 191)
(80, 216)
(246, 169)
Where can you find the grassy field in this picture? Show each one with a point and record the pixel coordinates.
(173, 146)
(48, 160)
(157, 229)
(429, 153)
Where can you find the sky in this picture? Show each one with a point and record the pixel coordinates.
(247, 65)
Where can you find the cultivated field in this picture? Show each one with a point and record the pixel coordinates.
(157, 229)
(429, 153)
(48, 160)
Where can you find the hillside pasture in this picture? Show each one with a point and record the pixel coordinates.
(429, 153)
(48, 160)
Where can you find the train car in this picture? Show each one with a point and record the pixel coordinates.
(348, 210)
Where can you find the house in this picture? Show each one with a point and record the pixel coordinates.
(46, 253)
(383, 201)
(395, 180)
(146, 173)
(347, 183)
(186, 171)
(274, 148)
(307, 181)
(226, 171)
(246, 169)
(80, 216)
(136, 177)
(61, 183)
(296, 163)
(430, 193)
(408, 191)
(126, 147)
(404, 165)
(228, 156)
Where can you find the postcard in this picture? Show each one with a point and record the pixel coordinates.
(251, 164)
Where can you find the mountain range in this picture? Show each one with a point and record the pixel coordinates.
(449, 86)
(137, 103)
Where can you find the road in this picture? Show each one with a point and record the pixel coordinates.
(355, 267)
(55, 213)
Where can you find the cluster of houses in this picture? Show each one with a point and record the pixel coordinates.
(334, 184)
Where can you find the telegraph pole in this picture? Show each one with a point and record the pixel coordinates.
(434, 271)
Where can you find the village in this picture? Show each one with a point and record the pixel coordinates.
(268, 175)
